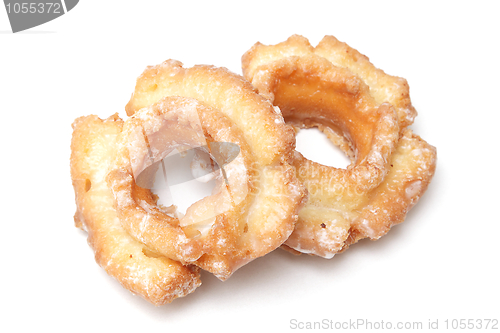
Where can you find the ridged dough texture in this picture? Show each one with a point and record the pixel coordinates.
(256, 207)
(152, 276)
(365, 112)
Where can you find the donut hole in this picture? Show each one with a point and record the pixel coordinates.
(176, 158)
(177, 182)
(333, 99)
(314, 145)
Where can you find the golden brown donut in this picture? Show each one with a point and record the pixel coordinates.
(140, 270)
(250, 213)
(364, 111)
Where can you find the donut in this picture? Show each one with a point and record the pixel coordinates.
(254, 206)
(363, 110)
(139, 269)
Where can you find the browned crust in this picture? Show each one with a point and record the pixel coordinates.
(155, 278)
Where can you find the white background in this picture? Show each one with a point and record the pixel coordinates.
(441, 263)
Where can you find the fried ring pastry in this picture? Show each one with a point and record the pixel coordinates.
(252, 211)
(366, 113)
(143, 272)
